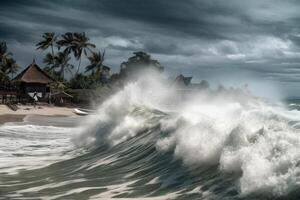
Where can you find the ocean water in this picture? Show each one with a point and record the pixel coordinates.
(150, 141)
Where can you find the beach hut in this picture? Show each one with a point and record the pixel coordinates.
(34, 83)
(61, 98)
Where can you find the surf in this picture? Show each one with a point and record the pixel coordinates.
(150, 141)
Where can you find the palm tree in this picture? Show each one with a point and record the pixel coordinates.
(96, 64)
(82, 45)
(51, 72)
(3, 51)
(7, 63)
(49, 40)
(62, 62)
(4, 79)
(76, 43)
(80, 81)
(67, 41)
(49, 60)
(3, 76)
(11, 66)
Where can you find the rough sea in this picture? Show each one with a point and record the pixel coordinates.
(149, 142)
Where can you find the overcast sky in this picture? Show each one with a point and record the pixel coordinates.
(232, 41)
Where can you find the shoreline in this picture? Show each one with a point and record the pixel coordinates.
(11, 118)
(8, 115)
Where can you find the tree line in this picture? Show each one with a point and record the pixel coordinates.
(8, 65)
(62, 51)
(63, 48)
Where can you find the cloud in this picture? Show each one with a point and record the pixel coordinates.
(206, 39)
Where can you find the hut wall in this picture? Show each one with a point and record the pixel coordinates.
(36, 87)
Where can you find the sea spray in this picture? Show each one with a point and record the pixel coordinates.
(251, 141)
(151, 140)
(116, 120)
(231, 129)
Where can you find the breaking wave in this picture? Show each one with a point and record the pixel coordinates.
(151, 140)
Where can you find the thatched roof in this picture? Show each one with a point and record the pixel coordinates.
(33, 74)
(61, 95)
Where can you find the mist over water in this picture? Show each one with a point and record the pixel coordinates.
(154, 140)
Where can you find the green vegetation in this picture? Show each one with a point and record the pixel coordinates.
(139, 62)
(96, 66)
(63, 61)
(8, 66)
(61, 54)
(65, 50)
(92, 84)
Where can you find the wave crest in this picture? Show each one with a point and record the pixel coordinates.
(241, 134)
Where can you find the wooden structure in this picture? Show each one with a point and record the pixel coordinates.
(8, 95)
(34, 81)
(61, 98)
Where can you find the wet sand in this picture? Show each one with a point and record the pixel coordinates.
(38, 113)
(38, 110)
(11, 118)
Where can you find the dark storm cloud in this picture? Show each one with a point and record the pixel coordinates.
(204, 38)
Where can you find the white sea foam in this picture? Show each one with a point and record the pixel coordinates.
(32, 146)
(115, 121)
(240, 133)
(255, 141)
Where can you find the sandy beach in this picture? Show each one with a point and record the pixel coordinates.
(8, 115)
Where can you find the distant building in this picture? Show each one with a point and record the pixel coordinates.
(182, 81)
(61, 98)
(33, 81)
